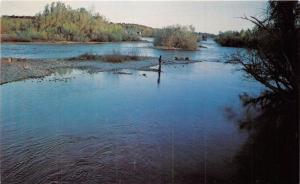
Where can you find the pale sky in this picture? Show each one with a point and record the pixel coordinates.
(205, 16)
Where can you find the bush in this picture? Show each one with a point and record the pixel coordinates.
(176, 37)
(38, 35)
(130, 37)
(115, 37)
(112, 58)
(23, 37)
(236, 39)
(100, 37)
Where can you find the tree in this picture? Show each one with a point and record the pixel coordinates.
(271, 154)
(60, 22)
(273, 60)
(182, 37)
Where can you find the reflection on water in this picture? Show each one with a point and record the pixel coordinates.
(271, 153)
(110, 128)
(158, 78)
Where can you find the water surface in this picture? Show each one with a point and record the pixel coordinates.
(110, 128)
(211, 51)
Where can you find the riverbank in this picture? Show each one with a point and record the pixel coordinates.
(68, 42)
(15, 69)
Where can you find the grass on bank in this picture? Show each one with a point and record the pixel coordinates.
(111, 58)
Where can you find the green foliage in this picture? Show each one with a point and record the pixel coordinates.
(144, 31)
(59, 22)
(176, 37)
(236, 39)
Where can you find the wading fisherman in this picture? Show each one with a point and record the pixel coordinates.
(159, 64)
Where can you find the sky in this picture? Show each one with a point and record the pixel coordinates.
(205, 16)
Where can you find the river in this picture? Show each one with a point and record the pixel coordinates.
(112, 128)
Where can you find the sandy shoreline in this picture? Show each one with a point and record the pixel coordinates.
(14, 69)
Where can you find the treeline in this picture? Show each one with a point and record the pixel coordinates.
(59, 22)
(181, 37)
(144, 31)
(243, 38)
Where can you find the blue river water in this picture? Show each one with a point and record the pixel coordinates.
(112, 128)
(210, 52)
